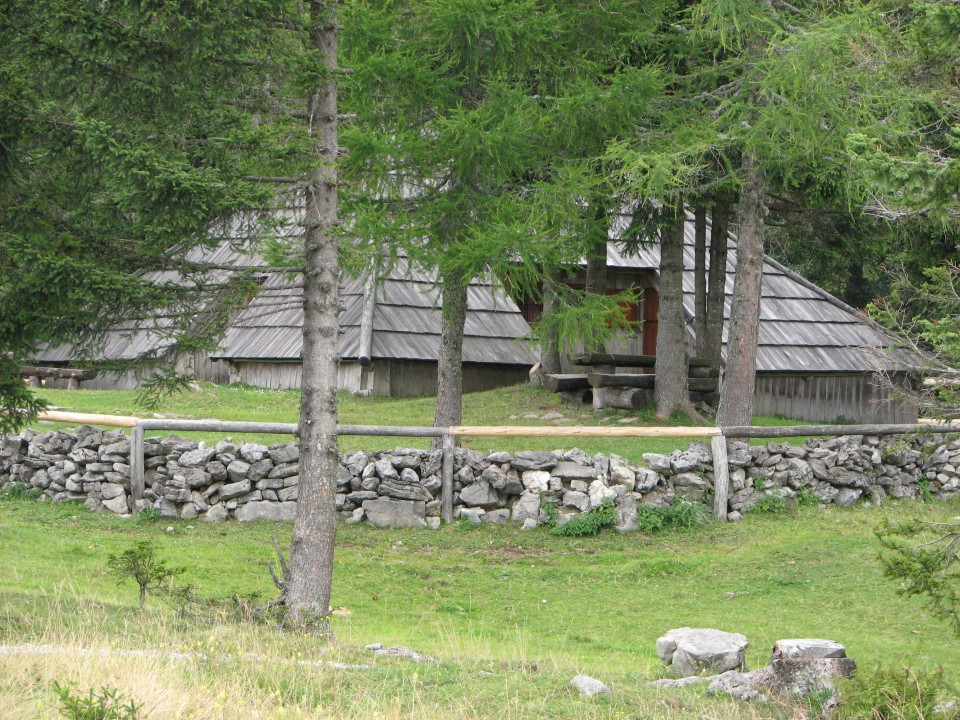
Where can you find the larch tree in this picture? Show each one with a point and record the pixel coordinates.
(131, 134)
(458, 146)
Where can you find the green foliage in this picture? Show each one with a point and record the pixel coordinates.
(922, 556)
(141, 564)
(890, 694)
(18, 491)
(807, 497)
(105, 704)
(681, 514)
(772, 503)
(589, 523)
(147, 515)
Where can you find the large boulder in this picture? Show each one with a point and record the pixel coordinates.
(692, 651)
(266, 510)
(802, 666)
(384, 513)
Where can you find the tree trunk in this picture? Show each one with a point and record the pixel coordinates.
(716, 290)
(450, 363)
(737, 392)
(550, 342)
(700, 277)
(670, 389)
(310, 570)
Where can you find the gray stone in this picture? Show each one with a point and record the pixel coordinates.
(847, 496)
(117, 504)
(740, 686)
(253, 452)
(599, 493)
(574, 471)
(265, 510)
(386, 513)
(108, 491)
(404, 491)
(588, 686)
(536, 480)
(235, 490)
(479, 494)
(195, 477)
(473, 516)
(646, 480)
(495, 476)
(627, 513)
(284, 471)
(356, 516)
(385, 470)
(802, 677)
(399, 651)
(534, 461)
(283, 454)
(409, 475)
(692, 651)
(578, 500)
(496, 517)
(197, 458)
(499, 458)
(807, 649)
(527, 508)
(685, 462)
(657, 462)
(623, 476)
(237, 470)
(188, 512)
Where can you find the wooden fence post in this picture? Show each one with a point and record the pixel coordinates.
(446, 476)
(721, 476)
(136, 465)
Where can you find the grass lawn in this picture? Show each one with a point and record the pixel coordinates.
(511, 615)
(517, 405)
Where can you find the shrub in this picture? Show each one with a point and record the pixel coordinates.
(772, 503)
(590, 522)
(141, 564)
(890, 694)
(105, 704)
(681, 514)
(19, 491)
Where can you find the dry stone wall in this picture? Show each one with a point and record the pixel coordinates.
(401, 488)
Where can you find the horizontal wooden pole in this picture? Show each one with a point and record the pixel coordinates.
(646, 382)
(88, 419)
(755, 431)
(391, 430)
(627, 360)
(67, 373)
(220, 426)
(561, 383)
(582, 431)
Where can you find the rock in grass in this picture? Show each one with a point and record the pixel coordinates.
(692, 651)
(404, 652)
(588, 686)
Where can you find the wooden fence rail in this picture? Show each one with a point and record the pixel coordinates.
(718, 440)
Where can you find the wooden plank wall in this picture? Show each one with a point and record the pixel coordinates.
(827, 398)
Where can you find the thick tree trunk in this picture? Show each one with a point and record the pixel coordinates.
(549, 342)
(737, 392)
(716, 290)
(310, 570)
(671, 393)
(450, 363)
(700, 277)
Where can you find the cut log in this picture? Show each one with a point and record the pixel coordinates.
(57, 372)
(622, 398)
(646, 382)
(704, 372)
(626, 360)
(577, 396)
(560, 383)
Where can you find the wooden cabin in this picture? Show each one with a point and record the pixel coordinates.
(817, 357)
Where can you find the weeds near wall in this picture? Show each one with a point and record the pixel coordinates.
(141, 564)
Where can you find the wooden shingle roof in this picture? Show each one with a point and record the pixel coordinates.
(803, 328)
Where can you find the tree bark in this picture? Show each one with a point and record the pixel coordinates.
(450, 362)
(550, 342)
(716, 290)
(737, 392)
(310, 570)
(671, 393)
(700, 277)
